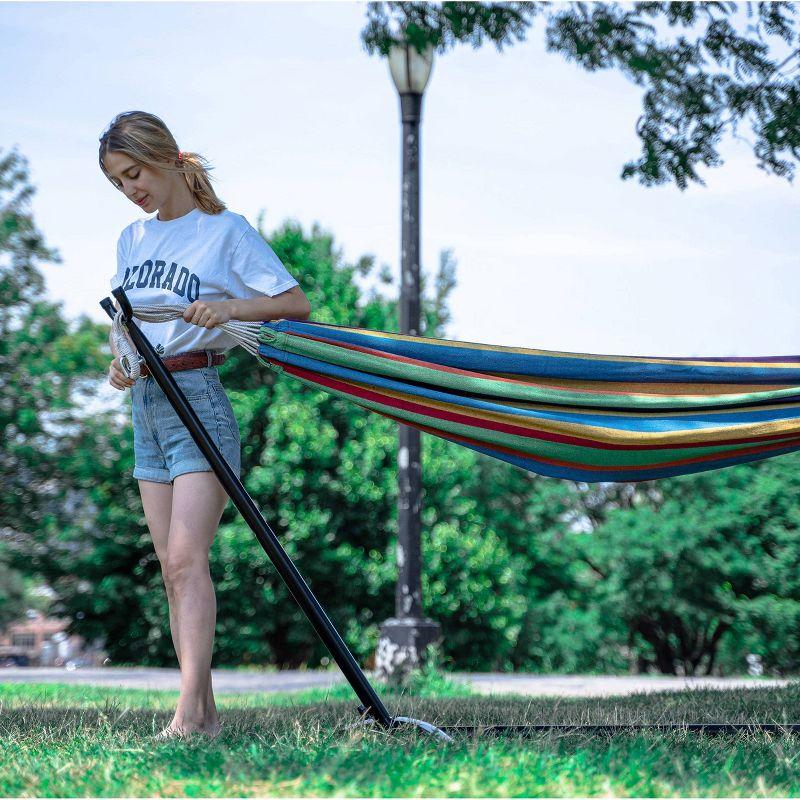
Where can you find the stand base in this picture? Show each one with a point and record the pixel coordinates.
(425, 727)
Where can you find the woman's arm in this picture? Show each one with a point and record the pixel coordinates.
(291, 304)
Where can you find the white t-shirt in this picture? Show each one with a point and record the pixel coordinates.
(196, 256)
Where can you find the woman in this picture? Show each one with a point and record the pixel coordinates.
(193, 252)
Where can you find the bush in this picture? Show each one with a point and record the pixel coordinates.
(471, 587)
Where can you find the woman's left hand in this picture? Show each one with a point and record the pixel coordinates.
(207, 314)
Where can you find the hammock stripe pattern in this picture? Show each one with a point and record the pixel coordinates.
(582, 417)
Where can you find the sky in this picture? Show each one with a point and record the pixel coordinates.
(521, 156)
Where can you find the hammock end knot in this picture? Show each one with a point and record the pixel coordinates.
(268, 335)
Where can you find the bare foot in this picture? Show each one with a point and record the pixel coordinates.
(210, 729)
(169, 733)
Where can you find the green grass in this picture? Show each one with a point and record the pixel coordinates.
(76, 741)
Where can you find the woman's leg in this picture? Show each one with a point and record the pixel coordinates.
(198, 501)
(157, 504)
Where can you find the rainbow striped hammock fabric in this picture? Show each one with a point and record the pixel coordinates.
(566, 415)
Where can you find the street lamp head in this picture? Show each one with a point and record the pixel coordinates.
(410, 70)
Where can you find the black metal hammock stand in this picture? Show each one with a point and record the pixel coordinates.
(372, 711)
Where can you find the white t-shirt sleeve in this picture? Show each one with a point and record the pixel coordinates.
(256, 270)
(122, 259)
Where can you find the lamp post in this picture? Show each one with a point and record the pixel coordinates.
(404, 637)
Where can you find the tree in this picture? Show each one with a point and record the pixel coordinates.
(708, 73)
(39, 359)
(25, 325)
(687, 558)
(65, 514)
(12, 591)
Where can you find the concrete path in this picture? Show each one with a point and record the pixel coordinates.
(225, 681)
(232, 681)
(600, 685)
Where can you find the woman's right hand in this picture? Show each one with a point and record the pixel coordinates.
(117, 378)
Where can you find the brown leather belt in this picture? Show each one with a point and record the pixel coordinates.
(192, 360)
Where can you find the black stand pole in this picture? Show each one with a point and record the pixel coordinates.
(371, 707)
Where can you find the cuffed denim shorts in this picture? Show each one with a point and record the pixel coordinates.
(163, 447)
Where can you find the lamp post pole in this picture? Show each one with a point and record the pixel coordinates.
(404, 637)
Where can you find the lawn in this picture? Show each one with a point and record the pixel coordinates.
(78, 741)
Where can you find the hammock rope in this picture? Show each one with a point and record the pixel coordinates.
(577, 416)
(245, 333)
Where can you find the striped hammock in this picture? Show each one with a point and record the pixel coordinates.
(566, 415)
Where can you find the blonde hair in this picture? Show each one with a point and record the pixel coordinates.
(147, 140)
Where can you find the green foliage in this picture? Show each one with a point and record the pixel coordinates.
(685, 560)
(12, 591)
(67, 518)
(707, 74)
(568, 632)
(443, 25)
(26, 328)
(768, 626)
(472, 585)
(470, 497)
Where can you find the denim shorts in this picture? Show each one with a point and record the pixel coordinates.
(163, 447)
